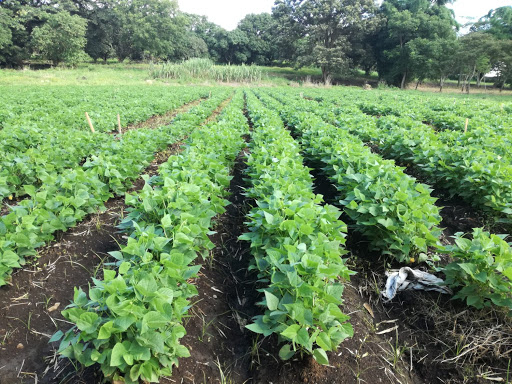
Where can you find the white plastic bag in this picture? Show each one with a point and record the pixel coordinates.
(407, 278)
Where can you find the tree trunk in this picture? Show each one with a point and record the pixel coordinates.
(417, 84)
(441, 84)
(479, 78)
(402, 85)
(468, 84)
(325, 73)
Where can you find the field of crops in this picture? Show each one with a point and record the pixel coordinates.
(242, 235)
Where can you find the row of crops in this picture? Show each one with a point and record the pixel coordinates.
(37, 141)
(454, 161)
(131, 321)
(394, 212)
(57, 193)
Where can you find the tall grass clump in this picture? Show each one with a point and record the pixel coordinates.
(206, 69)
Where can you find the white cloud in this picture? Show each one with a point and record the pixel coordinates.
(226, 13)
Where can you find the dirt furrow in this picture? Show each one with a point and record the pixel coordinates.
(216, 336)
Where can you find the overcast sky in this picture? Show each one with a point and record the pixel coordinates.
(227, 13)
(472, 10)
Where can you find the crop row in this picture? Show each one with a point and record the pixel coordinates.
(443, 112)
(131, 322)
(481, 270)
(391, 209)
(66, 198)
(476, 175)
(488, 123)
(296, 243)
(31, 153)
(60, 109)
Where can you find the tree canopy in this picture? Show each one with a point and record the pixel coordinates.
(404, 40)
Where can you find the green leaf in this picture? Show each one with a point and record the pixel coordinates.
(87, 322)
(124, 267)
(320, 356)
(56, 336)
(259, 327)
(269, 218)
(272, 301)
(291, 332)
(153, 320)
(116, 358)
(324, 341)
(303, 338)
(469, 268)
(386, 223)
(106, 330)
(286, 353)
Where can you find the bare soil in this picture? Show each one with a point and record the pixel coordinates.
(216, 334)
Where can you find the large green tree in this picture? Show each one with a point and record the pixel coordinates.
(498, 22)
(259, 30)
(320, 30)
(503, 65)
(61, 38)
(149, 29)
(102, 29)
(6, 21)
(214, 36)
(477, 55)
(405, 38)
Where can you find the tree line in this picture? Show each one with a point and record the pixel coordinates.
(403, 40)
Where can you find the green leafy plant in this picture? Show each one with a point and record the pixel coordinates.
(390, 208)
(482, 269)
(296, 243)
(65, 197)
(131, 321)
(475, 165)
